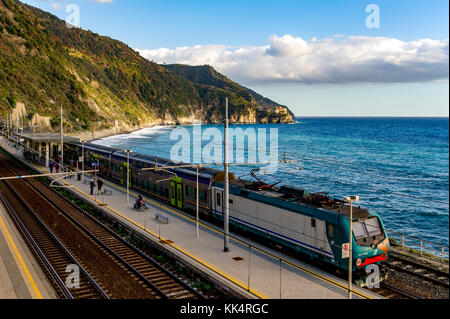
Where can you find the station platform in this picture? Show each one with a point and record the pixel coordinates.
(20, 275)
(253, 273)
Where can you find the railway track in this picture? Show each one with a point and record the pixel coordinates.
(427, 273)
(414, 269)
(51, 254)
(155, 280)
(392, 292)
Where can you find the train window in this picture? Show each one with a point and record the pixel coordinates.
(372, 226)
(189, 191)
(218, 201)
(202, 196)
(313, 223)
(166, 192)
(359, 230)
(330, 231)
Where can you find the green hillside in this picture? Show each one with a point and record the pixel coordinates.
(100, 81)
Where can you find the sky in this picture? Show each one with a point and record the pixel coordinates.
(320, 58)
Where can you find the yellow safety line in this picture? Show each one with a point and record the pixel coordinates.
(161, 238)
(238, 240)
(16, 251)
(171, 244)
(215, 230)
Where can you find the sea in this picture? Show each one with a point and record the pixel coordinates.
(399, 167)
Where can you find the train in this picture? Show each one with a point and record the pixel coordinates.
(309, 224)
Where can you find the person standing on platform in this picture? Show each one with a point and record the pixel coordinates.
(50, 165)
(99, 185)
(57, 167)
(92, 184)
(78, 172)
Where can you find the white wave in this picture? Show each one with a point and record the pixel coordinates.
(145, 133)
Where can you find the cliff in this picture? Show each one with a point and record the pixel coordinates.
(101, 83)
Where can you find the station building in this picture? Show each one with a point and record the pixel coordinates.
(45, 145)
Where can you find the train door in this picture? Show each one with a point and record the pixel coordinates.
(176, 193)
(321, 235)
(123, 175)
(173, 194)
(314, 232)
(218, 200)
(179, 196)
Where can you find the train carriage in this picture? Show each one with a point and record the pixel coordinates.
(310, 224)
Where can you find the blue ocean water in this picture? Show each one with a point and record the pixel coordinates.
(398, 166)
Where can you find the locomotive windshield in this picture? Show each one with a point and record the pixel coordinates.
(372, 226)
(366, 228)
(359, 230)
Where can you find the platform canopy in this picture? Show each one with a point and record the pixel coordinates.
(47, 137)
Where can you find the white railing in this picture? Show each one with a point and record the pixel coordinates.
(424, 247)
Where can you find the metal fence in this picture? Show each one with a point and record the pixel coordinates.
(428, 249)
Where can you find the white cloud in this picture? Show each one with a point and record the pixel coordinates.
(332, 60)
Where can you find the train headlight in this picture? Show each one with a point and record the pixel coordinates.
(358, 262)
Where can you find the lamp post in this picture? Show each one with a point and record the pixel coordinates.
(196, 208)
(350, 199)
(128, 175)
(82, 155)
(226, 213)
(62, 141)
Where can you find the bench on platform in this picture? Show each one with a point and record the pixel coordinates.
(162, 219)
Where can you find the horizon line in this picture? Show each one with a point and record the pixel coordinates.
(376, 116)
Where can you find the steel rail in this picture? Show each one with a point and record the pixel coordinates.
(101, 292)
(65, 291)
(137, 251)
(401, 292)
(111, 251)
(418, 266)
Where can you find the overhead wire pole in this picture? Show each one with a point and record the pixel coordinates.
(197, 210)
(82, 155)
(350, 199)
(226, 215)
(128, 175)
(226, 181)
(62, 141)
(198, 166)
